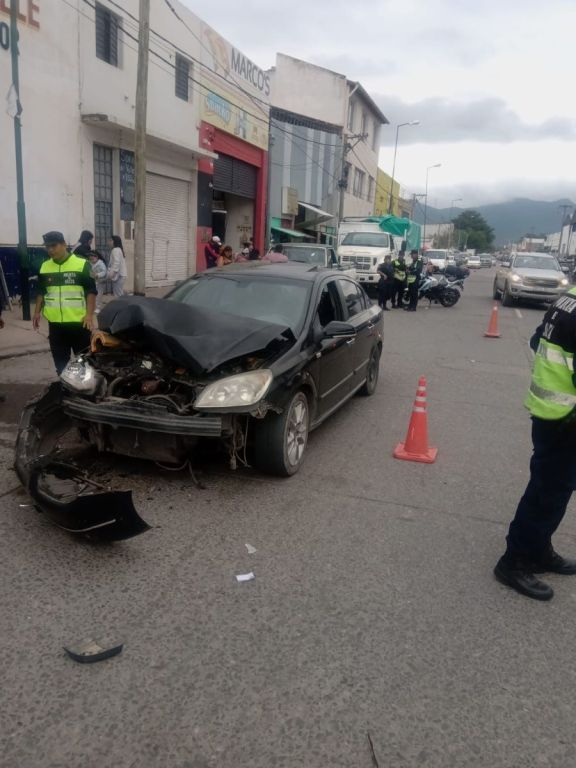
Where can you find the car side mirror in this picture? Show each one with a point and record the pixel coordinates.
(337, 328)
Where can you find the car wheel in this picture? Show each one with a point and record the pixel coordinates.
(449, 297)
(506, 297)
(372, 374)
(495, 291)
(281, 439)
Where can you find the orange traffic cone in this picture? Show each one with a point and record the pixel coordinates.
(416, 448)
(492, 332)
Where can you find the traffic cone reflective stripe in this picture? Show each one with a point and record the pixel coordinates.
(492, 332)
(415, 447)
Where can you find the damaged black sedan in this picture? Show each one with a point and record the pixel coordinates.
(254, 356)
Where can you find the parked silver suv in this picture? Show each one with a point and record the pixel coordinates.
(535, 276)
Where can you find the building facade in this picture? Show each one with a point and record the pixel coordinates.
(386, 189)
(77, 92)
(324, 141)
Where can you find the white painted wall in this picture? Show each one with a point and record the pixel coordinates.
(240, 215)
(306, 89)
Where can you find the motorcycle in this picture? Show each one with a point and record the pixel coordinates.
(438, 289)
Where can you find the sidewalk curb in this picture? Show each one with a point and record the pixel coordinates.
(8, 355)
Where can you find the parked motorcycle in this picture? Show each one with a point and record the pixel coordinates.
(439, 290)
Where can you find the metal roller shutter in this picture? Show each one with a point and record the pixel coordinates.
(167, 229)
(235, 176)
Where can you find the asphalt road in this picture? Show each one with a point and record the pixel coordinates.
(374, 608)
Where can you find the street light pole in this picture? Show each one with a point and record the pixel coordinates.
(450, 231)
(400, 125)
(20, 205)
(436, 165)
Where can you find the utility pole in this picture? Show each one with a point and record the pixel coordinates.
(15, 112)
(140, 149)
(390, 200)
(436, 165)
(343, 181)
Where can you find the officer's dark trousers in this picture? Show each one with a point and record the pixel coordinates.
(384, 292)
(65, 338)
(552, 480)
(398, 292)
(413, 295)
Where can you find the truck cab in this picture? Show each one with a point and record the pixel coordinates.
(365, 250)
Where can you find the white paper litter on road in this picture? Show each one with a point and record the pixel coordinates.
(250, 548)
(23, 505)
(245, 577)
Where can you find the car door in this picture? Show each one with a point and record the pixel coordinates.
(363, 315)
(334, 358)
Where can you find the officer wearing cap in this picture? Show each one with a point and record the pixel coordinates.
(67, 298)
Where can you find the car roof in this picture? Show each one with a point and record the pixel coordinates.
(291, 270)
(306, 245)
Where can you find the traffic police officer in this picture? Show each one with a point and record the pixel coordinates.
(413, 280)
(552, 403)
(399, 280)
(66, 298)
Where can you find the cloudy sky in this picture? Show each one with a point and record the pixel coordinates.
(490, 82)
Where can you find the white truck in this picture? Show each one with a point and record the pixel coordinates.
(364, 245)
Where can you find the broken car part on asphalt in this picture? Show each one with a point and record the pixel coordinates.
(65, 493)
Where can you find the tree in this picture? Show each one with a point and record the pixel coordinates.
(478, 233)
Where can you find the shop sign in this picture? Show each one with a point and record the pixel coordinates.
(27, 14)
(235, 91)
(289, 201)
(127, 185)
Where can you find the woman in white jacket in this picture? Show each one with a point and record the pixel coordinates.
(117, 266)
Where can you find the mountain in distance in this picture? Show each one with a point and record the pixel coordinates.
(509, 220)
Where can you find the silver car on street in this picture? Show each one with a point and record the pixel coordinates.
(532, 276)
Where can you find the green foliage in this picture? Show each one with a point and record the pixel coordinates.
(478, 233)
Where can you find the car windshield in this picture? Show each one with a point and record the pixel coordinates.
(535, 262)
(271, 300)
(306, 254)
(367, 239)
(436, 254)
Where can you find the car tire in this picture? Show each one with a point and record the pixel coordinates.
(372, 374)
(495, 291)
(281, 438)
(506, 297)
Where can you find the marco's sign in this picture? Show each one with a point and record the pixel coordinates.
(27, 13)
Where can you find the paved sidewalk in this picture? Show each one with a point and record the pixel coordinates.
(18, 338)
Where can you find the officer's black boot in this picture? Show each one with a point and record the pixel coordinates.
(552, 562)
(518, 574)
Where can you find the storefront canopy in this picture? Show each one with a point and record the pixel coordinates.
(289, 232)
(313, 216)
(405, 228)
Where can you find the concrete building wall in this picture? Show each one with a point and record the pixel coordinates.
(306, 89)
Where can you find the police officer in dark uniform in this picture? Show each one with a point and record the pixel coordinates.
(413, 272)
(399, 286)
(552, 404)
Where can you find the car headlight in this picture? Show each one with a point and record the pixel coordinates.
(81, 377)
(516, 278)
(563, 281)
(244, 389)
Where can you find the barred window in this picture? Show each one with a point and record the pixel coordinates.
(107, 29)
(182, 78)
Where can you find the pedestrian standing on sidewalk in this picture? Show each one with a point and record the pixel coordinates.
(212, 251)
(84, 245)
(386, 282)
(99, 272)
(551, 401)
(399, 265)
(414, 273)
(117, 268)
(66, 297)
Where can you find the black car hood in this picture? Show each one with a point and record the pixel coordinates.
(197, 339)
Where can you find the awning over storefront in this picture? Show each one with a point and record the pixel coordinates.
(313, 216)
(289, 232)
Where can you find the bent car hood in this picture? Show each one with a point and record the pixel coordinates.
(197, 339)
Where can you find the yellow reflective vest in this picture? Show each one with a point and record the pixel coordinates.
(399, 270)
(64, 297)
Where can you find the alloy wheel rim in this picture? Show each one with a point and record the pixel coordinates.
(297, 433)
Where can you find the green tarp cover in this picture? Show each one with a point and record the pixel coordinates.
(404, 228)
